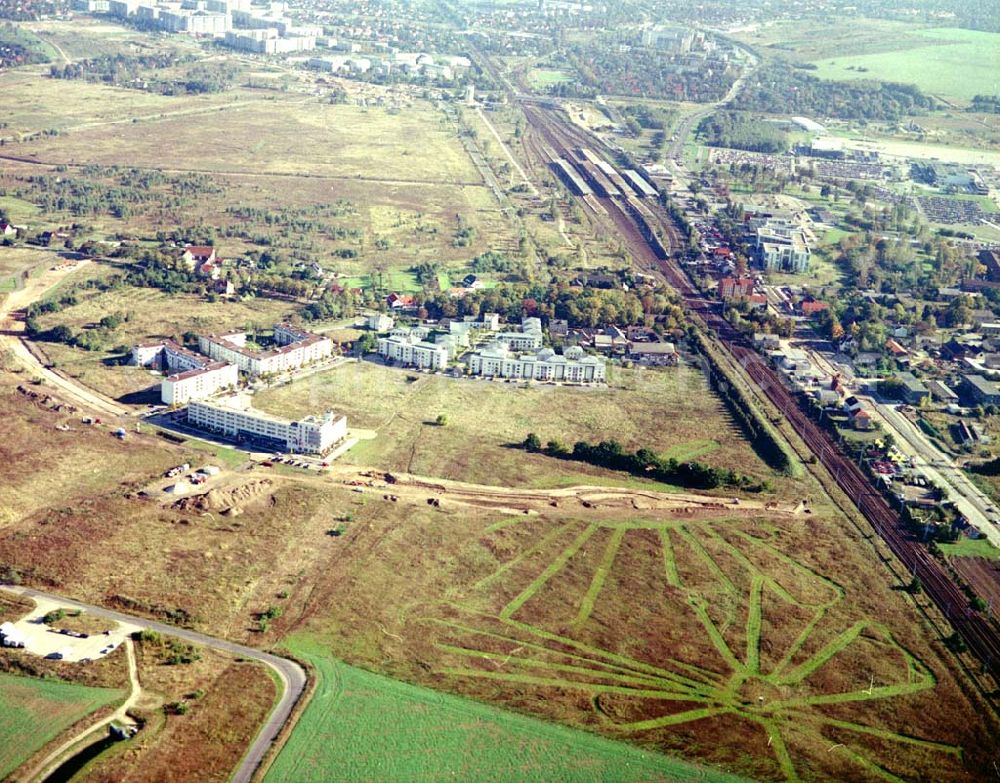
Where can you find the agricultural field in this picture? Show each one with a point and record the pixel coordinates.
(33, 712)
(941, 61)
(434, 736)
(666, 411)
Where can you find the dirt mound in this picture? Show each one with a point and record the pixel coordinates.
(226, 501)
(46, 400)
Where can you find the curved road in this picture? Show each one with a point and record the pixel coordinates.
(292, 676)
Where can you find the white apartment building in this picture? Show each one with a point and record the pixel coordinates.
(296, 348)
(234, 418)
(168, 355)
(197, 384)
(781, 245)
(411, 350)
(528, 339)
(574, 366)
(379, 322)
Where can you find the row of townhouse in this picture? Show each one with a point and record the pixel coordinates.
(234, 417)
(498, 360)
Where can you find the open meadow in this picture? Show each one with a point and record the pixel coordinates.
(941, 61)
(34, 711)
(671, 411)
(753, 641)
(434, 736)
(151, 314)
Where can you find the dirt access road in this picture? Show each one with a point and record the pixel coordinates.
(56, 757)
(291, 675)
(12, 339)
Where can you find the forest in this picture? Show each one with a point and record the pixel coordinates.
(743, 132)
(779, 88)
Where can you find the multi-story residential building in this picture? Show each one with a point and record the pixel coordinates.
(574, 366)
(197, 384)
(781, 245)
(528, 339)
(296, 348)
(234, 418)
(167, 355)
(411, 350)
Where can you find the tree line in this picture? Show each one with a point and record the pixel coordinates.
(645, 463)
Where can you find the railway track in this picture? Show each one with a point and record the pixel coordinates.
(981, 634)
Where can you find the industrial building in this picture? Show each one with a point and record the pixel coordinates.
(235, 418)
(497, 360)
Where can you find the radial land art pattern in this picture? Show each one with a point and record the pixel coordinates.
(728, 628)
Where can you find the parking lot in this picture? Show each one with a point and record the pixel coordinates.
(48, 642)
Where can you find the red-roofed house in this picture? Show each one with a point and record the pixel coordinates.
(401, 301)
(735, 288)
(812, 307)
(198, 254)
(209, 269)
(895, 348)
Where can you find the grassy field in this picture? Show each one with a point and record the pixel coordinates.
(541, 78)
(342, 140)
(812, 40)
(226, 703)
(659, 410)
(33, 712)
(968, 547)
(754, 643)
(152, 314)
(943, 61)
(434, 736)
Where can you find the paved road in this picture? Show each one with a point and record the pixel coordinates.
(676, 150)
(292, 676)
(941, 469)
(930, 461)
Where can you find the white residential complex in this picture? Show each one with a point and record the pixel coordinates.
(411, 350)
(574, 366)
(528, 339)
(195, 376)
(183, 387)
(235, 418)
(295, 349)
(782, 246)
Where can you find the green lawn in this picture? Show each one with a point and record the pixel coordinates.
(968, 547)
(361, 726)
(33, 712)
(952, 62)
(546, 77)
